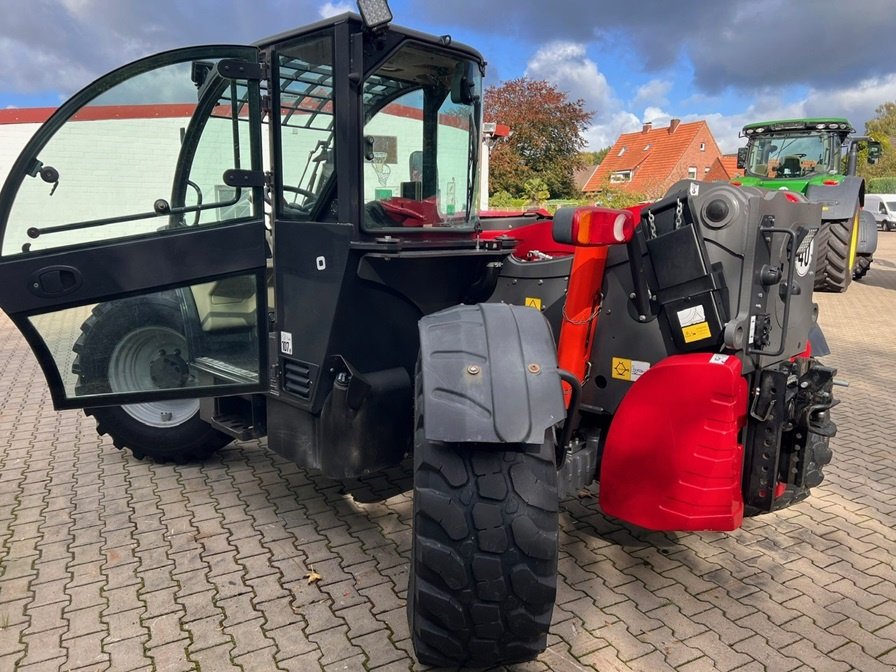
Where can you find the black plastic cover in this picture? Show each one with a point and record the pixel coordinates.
(489, 375)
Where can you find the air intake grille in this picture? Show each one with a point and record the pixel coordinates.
(298, 377)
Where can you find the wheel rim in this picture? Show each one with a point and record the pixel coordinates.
(129, 371)
(853, 241)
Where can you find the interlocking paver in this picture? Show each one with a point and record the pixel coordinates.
(109, 562)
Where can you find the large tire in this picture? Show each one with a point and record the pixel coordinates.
(861, 268)
(834, 254)
(113, 354)
(483, 574)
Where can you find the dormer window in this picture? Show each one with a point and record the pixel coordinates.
(620, 176)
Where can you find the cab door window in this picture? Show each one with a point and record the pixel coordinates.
(110, 170)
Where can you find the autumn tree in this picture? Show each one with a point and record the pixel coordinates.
(546, 137)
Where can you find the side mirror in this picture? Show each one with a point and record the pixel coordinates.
(742, 157)
(874, 151)
(465, 83)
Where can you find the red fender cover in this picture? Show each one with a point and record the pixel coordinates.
(673, 460)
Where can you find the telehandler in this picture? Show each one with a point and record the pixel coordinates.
(281, 240)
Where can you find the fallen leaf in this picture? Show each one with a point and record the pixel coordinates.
(312, 576)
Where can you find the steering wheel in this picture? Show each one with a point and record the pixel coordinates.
(310, 197)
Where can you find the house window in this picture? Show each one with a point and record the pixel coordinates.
(692, 173)
(620, 176)
(706, 169)
(702, 146)
(621, 151)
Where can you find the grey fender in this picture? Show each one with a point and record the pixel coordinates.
(867, 243)
(838, 201)
(489, 375)
(819, 343)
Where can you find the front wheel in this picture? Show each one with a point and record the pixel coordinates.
(137, 345)
(863, 264)
(835, 253)
(483, 574)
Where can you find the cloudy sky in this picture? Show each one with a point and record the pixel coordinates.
(631, 61)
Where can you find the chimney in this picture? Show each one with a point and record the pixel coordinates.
(673, 124)
(647, 126)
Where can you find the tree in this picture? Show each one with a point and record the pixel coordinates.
(882, 127)
(594, 158)
(546, 137)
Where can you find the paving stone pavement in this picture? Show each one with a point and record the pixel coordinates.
(108, 563)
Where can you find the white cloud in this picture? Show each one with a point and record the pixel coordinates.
(333, 8)
(567, 66)
(653, 92)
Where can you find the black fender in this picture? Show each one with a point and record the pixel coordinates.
(867, 243)
(838, 201)
(489, 375)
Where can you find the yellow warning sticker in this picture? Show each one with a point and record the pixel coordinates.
(627, 369)
(696, 332)
(533, 302)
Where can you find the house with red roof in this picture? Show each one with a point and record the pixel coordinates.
(724, 168)
(649, 161)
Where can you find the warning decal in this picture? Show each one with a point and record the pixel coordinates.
(628, 369)
(690, 316)
(696, 332)
(533, 302)
(286, 342)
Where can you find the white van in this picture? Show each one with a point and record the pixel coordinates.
(883, 207)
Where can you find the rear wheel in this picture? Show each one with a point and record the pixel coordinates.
(484, 561)
(137, 344)
(835, 246)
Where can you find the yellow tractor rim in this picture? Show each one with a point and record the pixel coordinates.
(853, 241)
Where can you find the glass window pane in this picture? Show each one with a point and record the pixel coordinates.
(306, 123)
(116, 160)
(421, 141)
(204, 335)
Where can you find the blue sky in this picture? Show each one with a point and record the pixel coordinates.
(631, 62)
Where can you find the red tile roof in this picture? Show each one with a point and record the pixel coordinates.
(724, 168)
(656, 156)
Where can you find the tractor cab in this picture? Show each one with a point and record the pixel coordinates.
(796, 153)
(793, 149)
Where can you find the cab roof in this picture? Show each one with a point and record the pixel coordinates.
(443, 41)
(808, 123)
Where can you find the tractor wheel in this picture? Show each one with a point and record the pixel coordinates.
(483, 576)
(835, 251)
(117, 347)
(861, 268)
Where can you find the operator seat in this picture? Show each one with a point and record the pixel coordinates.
(791, 166)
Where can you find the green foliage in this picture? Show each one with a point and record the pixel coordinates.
(594, 158)
(611, 196)
(536, 190)
(883, 129)
(546, 137)
(502, 200)
(882, 185)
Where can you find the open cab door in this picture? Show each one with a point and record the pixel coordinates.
(132, 237)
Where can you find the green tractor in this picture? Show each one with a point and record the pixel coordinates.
(805, 156)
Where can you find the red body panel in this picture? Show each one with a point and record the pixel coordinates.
(673, 460)
(536, 236)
